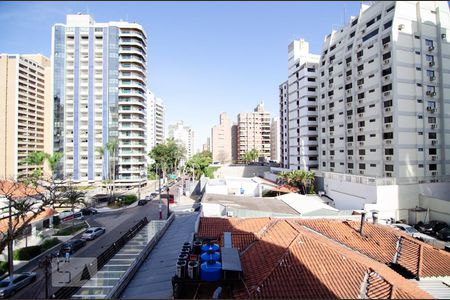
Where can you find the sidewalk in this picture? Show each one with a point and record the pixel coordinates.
(108, 209)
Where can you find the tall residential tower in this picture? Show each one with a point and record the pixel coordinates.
(99, 93)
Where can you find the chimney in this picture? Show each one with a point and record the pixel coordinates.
(363, 218)
(375, 217)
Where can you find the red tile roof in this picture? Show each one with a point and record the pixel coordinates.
(48, 212)
(284, 259)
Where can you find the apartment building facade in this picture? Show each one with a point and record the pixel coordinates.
(253, 132)
(221, 140)
(298, 109)
(384, 103)
(184, 135)
(155, 121)
(284, 130)
(275, 140)
(99, 93)
(25, 111)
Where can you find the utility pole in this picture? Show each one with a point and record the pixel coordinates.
(10, 241)
(45, 263)
(168, 201)
(159, 184)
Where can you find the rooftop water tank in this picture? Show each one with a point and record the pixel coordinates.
(211, 271)
(210, 255)
(197, 247)
(210, 246)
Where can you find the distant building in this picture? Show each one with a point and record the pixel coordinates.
(254, 132)
(298, 108)
(25, 111)
(221, 140)
(274, 140)
(234, 143)
(155, 121)
(185, 135)
(99, 95)
(206, 146)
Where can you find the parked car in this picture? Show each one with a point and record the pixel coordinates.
(93, 232)
(154, 194)
(432, 227)
(89, 211)
(71, 246)
(409, 230)
(444, 234)
(142, 202)
(9, 287)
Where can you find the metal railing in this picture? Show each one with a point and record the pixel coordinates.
(105, 256)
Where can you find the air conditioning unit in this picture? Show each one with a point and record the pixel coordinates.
(331, 145)
(359, 46)
(361, 115)
(431, 63)
(348, 77)
(330, 97)
(388, 174)
(388, 125)
(331, 133)
(386, 77)
(361, 143)
(349, 131)
(386, 61)
(359, 72)
(349, 117)
(385, 46)
(434, 173)
(359, 59)
(331, 169)
(361, 158)
(388, 142)
(363, 31)
(433, 94)
(429, 108)
(443, 35)
(350, 171)
(331, 73)
(349, 91)
(387, 93)
(433, 142)
(349, 144)
(434, 110)
(331, 157)
(361, 172)
(431, 48)
(360, 101)
(401, 26)
(330, 85)
(433, 126)
(331, 121)
(360, 87)
(361, 129)
(348, 64)
(349, 158)
(388, 158)
(434, 157)
(432, 78)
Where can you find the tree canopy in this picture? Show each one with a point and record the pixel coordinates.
(167, 156)
(302, 179)
(199, 163)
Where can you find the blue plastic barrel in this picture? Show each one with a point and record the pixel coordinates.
(210, 246)
(210, 255)
(211, 271)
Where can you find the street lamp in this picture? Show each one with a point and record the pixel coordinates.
(159, 190)
(141, 174)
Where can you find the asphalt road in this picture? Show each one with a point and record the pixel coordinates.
(116, 224)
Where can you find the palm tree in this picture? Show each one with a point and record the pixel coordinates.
(73, 197)
(112, 147)
(309, 181)
(35, 159)
(53, 160)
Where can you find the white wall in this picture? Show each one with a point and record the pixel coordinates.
(439, 209)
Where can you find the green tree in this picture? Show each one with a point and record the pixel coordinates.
(199, 163)
(72, 197)
(303, 180)
(112, 148)
(251, 156)
(167, 156)
(53, 160)
(35, 159)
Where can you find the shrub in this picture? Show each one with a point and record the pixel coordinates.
(3, 267)
(70, 230)
(128, 199)
(27, 253)
(47, 244)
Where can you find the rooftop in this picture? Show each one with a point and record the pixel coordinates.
(301, 258)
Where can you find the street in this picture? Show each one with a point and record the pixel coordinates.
(116, 224)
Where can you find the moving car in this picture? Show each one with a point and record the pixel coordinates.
(432, 227)
(142, 202)
(93, 232)
(409, 230)
(89, 211)
(71, 246)
(9, 287)
(444, 234)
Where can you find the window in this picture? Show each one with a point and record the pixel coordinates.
(371, 91)
(361, 138)
(388, 135)
(389, 151)
(418, 69)
(428, 43)
(420, 149)
(386, 40)
(386, 87)
(388, 119)
(311, 70)
(373, 150)
(417, 52)
(360, 81)
(360, 110)
(432, 135)
(373, 165)
(359, 54)
(349, 99)
(390, 8)
(354, 22)
(430, 73)
(349, 125)
(370, 22)
(387, 55)
(432, 151)
(348, 73)
(387, 71)
(432, 167)
(362, 151)
(370, 61)
(361, 124)
(389, 168)
(430, 89)
(350, 152)
(431, 104)
(360, 67)
(387, 25)
(352, 34)
(350, 165)
(348, 86)
(370, 35)
(420, 165)
(360, 96)
(429, 58)
(362, 166)
(349, 139)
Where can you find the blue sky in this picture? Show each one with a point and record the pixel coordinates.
(204, 57)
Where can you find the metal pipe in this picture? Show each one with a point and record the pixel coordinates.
(363, 218)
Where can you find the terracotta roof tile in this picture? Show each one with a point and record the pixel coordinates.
(40, 216)
(434, 262)
(240, 241)
(408, 254)
(377, 287)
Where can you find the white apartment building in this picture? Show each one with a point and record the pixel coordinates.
(284, 121)
(184, 135)
(25, 111)
(253, 132)
(274, 140)
(384, 107)
(299, 109)
(221, 140)
(99, 93)
(155, 121)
